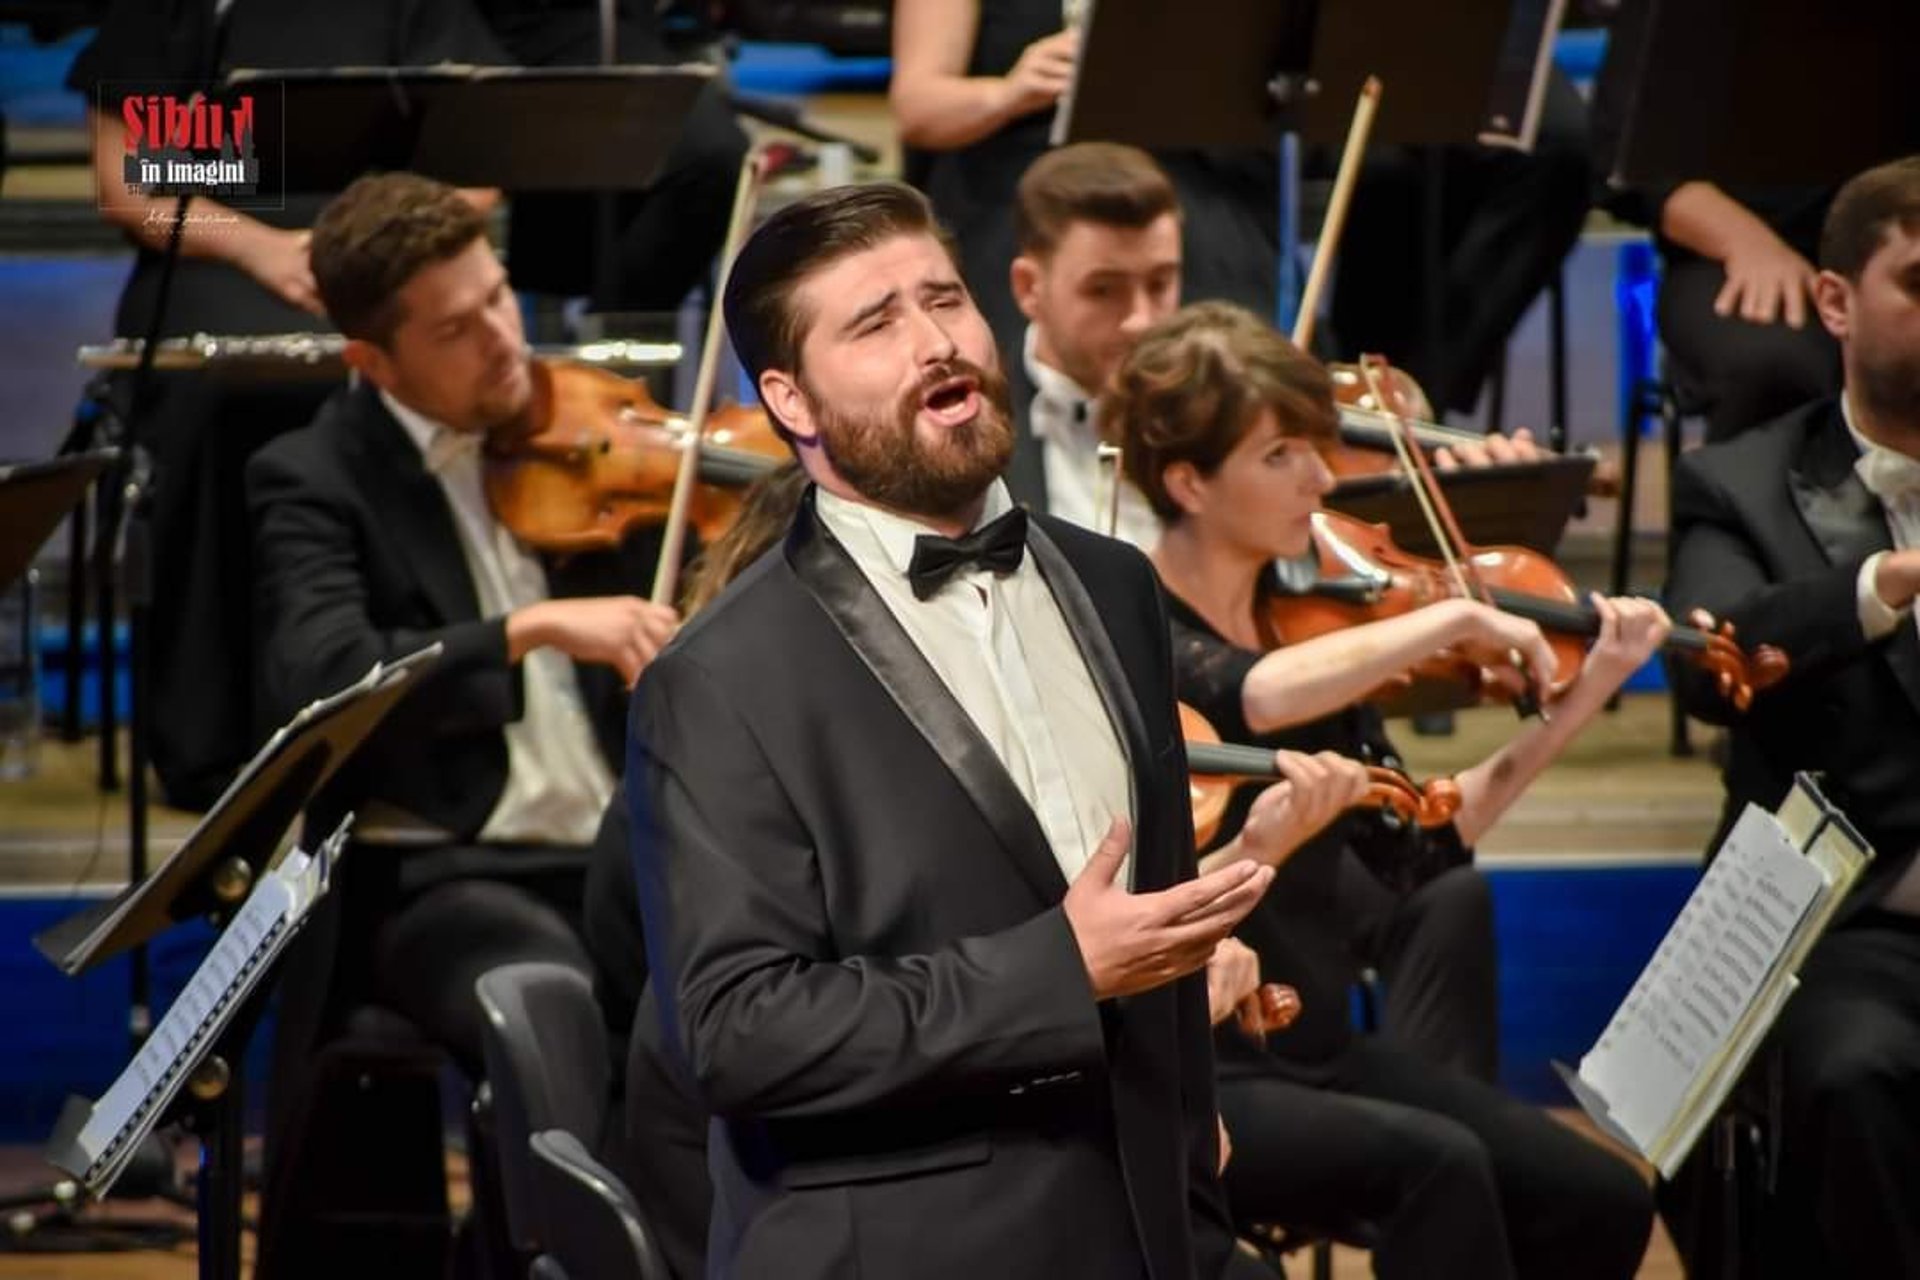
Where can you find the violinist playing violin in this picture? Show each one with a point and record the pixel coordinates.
(372, 540)
(1220, 421)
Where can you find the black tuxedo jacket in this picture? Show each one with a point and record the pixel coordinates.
(357, 561)
(1770, 530)
(855, 923)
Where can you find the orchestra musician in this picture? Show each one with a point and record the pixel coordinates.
(1101, 261)
(1219, 419)
(974, 85)
(1805, 533)
(910, 826)
(476, 801)
(240, 271)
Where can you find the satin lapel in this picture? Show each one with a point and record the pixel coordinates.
(882, 644)
(1096, 649)
(410, 502)
(1848, 523)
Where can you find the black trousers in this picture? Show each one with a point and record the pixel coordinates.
(1746, 373)
(1440, 1175)
(411, 938)
(1438, 963)
(1507, 222)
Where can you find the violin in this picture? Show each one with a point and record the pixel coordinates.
(595, 456)
(1358, 574)
(1215, 768)
(1365, 446)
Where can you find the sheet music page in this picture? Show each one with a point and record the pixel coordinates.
(1729, 938)
(262, 925)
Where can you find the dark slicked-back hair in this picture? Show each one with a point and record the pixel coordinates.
(1100, 182)
(1196, 383)
(1865, 209)
(763, 317)
(371, 239)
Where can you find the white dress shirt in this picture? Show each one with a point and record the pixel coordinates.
(1894, 478)
(1062, 420)
(1003, 649)
(558, 784)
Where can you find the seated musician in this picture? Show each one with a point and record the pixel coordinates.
(1100, 258)
(374, 539)
(1220, 419)
(1101, 261)
(1805, 533)
(241, 270)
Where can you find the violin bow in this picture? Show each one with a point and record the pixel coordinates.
(1335, 221)
(746, 197)
(1455, 550)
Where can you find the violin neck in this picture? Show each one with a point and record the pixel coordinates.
(1581, 620)
(1370, 426)
(1226, 759)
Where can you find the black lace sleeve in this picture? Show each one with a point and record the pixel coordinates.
(1209, 673)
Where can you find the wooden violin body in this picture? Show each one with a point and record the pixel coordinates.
(595, 456)
(1215, 768)
(1362, 576)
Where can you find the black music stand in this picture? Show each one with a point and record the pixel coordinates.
(1525, 504)
(211, 874)
(34, 498)
(1746, 92)
(1255, 73)
(521, 129)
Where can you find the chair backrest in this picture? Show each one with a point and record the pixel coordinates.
(595, 1229)
(547, 1067)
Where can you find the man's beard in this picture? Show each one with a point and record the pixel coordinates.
(1890, 386)
(883, 457)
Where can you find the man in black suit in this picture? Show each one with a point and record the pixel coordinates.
(1805, 533)
(476, 801)
(912, 828)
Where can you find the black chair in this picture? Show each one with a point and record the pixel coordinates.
(596, 1232)
(548, 1069)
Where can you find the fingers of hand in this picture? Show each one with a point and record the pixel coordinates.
(1213, 898)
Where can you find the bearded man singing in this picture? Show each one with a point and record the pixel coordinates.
(911, 823)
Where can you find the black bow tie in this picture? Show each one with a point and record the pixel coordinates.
(996, 546)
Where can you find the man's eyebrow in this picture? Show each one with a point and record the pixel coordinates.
(871, 310)
(942, 289)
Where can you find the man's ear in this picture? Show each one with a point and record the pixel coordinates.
(780, 392)
(369, 361)
(1024, 275)
(1831, 293)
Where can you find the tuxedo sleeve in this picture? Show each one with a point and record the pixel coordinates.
(1719, 566)
(772, 1019)
(310, 554)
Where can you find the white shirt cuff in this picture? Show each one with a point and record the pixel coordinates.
(1877, 617)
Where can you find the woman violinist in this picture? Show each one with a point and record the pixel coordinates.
(1220, 420)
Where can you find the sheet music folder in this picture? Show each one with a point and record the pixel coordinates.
(1524, 504)
(34, 498)
(94, 1140)
(247, 822)
(1699, 1011)
(528, 129)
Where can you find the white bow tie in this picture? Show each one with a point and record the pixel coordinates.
(449, 446)
(1891, 477)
